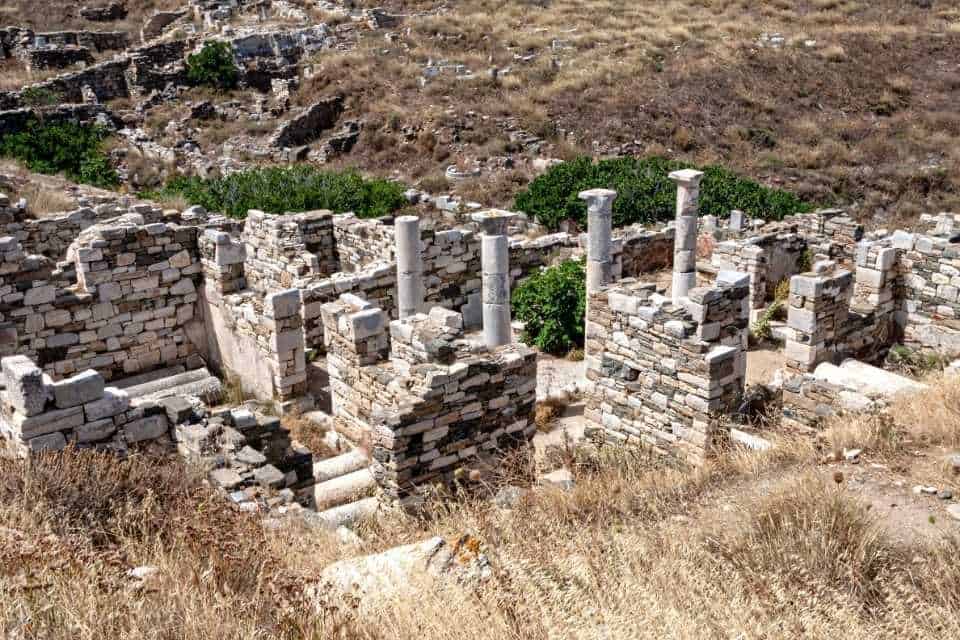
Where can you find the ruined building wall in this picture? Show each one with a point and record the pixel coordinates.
(834, 316)
(642, 251)
(767, 258)
(52, 236)
(660, 375)
(289, 250)
(37, 414)
(126, 313)
(428, 403)
(929, 303)
(257, 337)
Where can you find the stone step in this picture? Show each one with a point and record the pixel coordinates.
(150, 376)
(198, 383)
(346, 515)
(210, 390)
(340, 465)
(343, 489)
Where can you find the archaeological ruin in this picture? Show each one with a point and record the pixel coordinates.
(125, 325)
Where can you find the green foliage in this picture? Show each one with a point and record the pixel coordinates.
(39, 97)
(552, 304)
(288, 190)
(761, 326)
(806, 261)
(645, 194)
(62, 147)
(914, 362)
(213, 66)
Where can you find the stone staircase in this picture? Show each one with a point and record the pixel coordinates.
(343, 493)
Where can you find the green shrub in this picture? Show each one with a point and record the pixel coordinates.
(644, 192)
(213, 66)
(62, 147)
(552, 303)
(288, 189)
(39, 97)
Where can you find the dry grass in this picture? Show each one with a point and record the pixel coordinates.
(928, 419)
(636, 550)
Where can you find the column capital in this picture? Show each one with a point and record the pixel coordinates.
(600, 200)
(494, 221)
(686, 177)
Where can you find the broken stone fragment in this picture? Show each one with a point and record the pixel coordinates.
(378, 578)
(225, 478)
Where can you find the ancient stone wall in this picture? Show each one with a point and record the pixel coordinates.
(662, 375)
(428, 402)
(51, 236)
(38, 414)
(287, 251)
(642, 251)
(135, 292)
(767, 258)
(929, 303)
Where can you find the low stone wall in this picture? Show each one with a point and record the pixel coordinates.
(660, 375)
(427, 402)
(929, 314)
(51, 236)
(125, 314)
(139, 71)
(290, 250)
(38, 414)
(767, 258)
(642, 251)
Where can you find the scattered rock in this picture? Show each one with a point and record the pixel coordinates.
(509, 496)
(954, 511)
(852, 455)
(378, 578)
(561, 479)
(945, 494)
(142, 572)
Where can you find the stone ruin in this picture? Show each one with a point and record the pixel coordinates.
(121, 321)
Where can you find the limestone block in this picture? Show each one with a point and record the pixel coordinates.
(95, 431)
(114, 402)
(80, 389)
(25, 389)
(148, 428)
(56, 420)
(49, 442)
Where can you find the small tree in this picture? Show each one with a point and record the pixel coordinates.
(213, 66)
(552, 304)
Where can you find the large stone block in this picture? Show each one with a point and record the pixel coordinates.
(148, 428)
(114, 401)
(80, 389)
(25, 389)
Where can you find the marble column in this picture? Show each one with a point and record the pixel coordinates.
(599, 237)
(495, 273)
(685, 241)
(409, 266)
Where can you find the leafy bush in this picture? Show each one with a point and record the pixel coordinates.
(213, 66)
(288, 189)
(39, 97)
(62, 147)
(645, 193)
(552, 304)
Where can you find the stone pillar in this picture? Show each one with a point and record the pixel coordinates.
(409, 266)
(599, 237)
(495, 272)
(685, 242)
